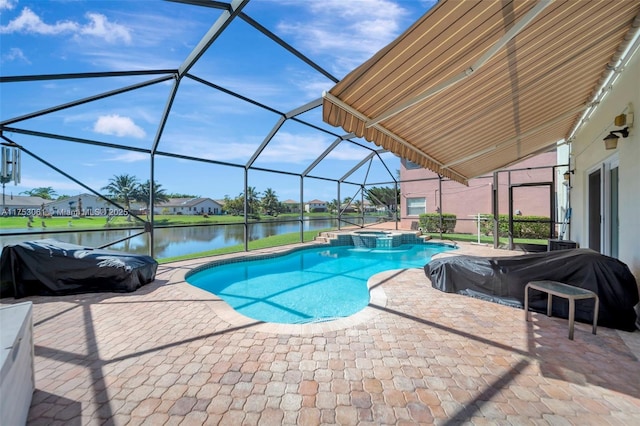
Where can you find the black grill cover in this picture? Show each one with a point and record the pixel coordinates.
(502, 280)
(51, 267)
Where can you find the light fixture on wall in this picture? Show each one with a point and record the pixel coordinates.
(567, 175)
(611, 141)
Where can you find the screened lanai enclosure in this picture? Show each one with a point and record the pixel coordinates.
(232, 108)
(310, 104)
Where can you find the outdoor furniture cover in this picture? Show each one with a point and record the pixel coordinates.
(503, 279)
(51, 267)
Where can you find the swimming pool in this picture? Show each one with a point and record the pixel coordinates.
(309, 285)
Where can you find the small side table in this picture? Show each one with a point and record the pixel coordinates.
(572, 293)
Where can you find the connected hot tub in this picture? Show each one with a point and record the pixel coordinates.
(376, 239)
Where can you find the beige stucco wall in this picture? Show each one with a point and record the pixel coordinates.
(588, 152)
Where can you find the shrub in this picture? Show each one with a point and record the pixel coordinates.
(536, 227)
(430, 222)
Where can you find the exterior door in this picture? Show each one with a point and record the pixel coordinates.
(603, 208)
(613, 228)
(595, 198)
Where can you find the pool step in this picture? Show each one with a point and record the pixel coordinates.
(325, 237)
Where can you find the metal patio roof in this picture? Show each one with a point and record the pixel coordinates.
(474, 86)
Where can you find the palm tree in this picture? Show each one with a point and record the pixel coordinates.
(345, 203)
(270, 202)
(383, 196)
(333, 206)
(143, 194)
(252, 199)
(123, 188)
(43, 192)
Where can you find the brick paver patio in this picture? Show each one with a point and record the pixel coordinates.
(171, 354)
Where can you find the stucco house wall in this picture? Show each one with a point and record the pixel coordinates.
(467, 201)
(19, 205)
(188, 206)
(588, 154)
(91, 205)
(315, 205)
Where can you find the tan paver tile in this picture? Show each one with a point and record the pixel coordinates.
(426, 357)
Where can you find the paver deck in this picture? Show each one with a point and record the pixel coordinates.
(171, 354)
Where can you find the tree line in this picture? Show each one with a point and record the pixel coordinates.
(268, 203)
(257, 203)
(123, 188)
(126, 188)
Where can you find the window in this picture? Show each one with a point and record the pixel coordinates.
(410, 165)
(416, 206)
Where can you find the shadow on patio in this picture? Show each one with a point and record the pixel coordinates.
(160, 355)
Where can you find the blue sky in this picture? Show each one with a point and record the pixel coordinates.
(70, 36)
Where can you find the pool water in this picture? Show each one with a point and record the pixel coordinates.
(308, 285)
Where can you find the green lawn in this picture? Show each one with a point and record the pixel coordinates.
(93, 222)
(61, 222)
(273, 241)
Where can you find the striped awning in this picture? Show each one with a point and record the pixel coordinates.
(476, 85)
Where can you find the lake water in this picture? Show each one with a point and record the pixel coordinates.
(170, 242)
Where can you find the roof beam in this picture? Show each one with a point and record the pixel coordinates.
(216, 29)
(278, 125)
(287, 46)
(73, 139)
(360, 164)
(513, 31)
(165, 115)
(86, 100)
(78, 75)
(304, 108)
(205, 3)
(326, 152)
(265, 142)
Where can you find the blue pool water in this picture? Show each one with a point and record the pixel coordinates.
(308, 285)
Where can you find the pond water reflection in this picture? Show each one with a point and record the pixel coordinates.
(170, 242)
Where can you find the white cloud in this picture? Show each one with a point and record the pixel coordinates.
(29, 22)
(348, 31)
(294, 148)
(218, 149)
(7, 4)
(314, 87)
(348, 152)
(129, 157)
(15, 54)
(284, 148)
(98, 26)
(119, 126)
(123, 60)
